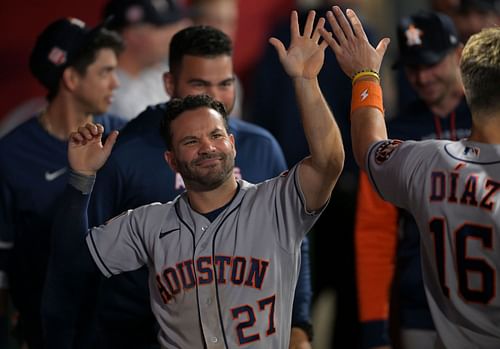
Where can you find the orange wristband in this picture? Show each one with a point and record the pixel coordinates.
(366, 93)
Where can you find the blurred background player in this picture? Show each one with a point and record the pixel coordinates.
(223, 15)
(76, 65)
(470, 16)
(387, 238)
(146, 26)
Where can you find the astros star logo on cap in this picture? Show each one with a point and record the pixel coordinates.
(413, 35)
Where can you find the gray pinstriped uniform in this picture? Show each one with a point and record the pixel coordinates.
(452, 189)
(222, 284)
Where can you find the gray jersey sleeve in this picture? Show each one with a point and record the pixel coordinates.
(286, 200)
(392, 165)
(120, 245)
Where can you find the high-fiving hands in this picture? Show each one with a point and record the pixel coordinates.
(305, 55)
(350, 45)
(86, 153)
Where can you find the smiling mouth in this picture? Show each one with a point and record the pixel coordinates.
(209, 162)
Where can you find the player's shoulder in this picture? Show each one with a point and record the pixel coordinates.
(21, 136)
(25, 128)
(472, 152)
(147, 121)
(384, 151)
(246, 131)
(127, 154)
(154, 214)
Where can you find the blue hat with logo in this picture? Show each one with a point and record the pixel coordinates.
(57, 47)
(132, 12)
(425, 38)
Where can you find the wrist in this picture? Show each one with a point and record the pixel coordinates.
(365, 74)
(81, 181)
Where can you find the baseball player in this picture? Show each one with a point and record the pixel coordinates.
(387, 238)
(450, 187)
(136, 174)
(212, 282)
(76, 65)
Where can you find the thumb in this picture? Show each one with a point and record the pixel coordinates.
(382, 46)
(110, 142)
(280, 48)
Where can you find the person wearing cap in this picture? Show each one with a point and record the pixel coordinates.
(387, 238)
(76, 65)
(146, 27)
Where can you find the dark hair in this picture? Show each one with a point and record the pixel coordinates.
(200, 41)
(103, 38)
(177, 106)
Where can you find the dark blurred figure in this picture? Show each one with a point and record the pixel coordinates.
(470, 16)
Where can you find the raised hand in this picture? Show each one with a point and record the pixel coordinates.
(350, 45)
(86, 153)
(305, 56)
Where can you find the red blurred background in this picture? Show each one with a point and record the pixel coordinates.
(21, 21)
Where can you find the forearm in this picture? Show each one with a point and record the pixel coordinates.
(71, 224)
(367, 118)
(72, 274)
(367, 127)
(321, 130)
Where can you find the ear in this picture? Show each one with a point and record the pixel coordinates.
(70, 78)
(458, 51)
(170, 159)
(168, 83)
(231, 139)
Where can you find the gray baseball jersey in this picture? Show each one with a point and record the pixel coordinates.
(452, 190)
(223, 284)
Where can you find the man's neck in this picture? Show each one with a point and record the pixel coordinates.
(61, 117)
(487, 130)
(208, 201)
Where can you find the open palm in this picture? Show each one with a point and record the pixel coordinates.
(305, 56)
(350, 44)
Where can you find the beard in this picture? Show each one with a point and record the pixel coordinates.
(206, 178)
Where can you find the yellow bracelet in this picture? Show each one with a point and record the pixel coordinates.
(363, 74)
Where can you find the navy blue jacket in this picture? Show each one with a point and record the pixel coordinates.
(33, 175)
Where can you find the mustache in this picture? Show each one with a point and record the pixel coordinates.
(218, 156)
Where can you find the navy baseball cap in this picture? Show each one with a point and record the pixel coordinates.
(57, 47)
(425, 38)
(125, 13)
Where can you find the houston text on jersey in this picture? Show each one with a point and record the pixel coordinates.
(239, 271)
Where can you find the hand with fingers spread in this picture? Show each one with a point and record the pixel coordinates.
(305, 55)
(86, 153)
(350, 43)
